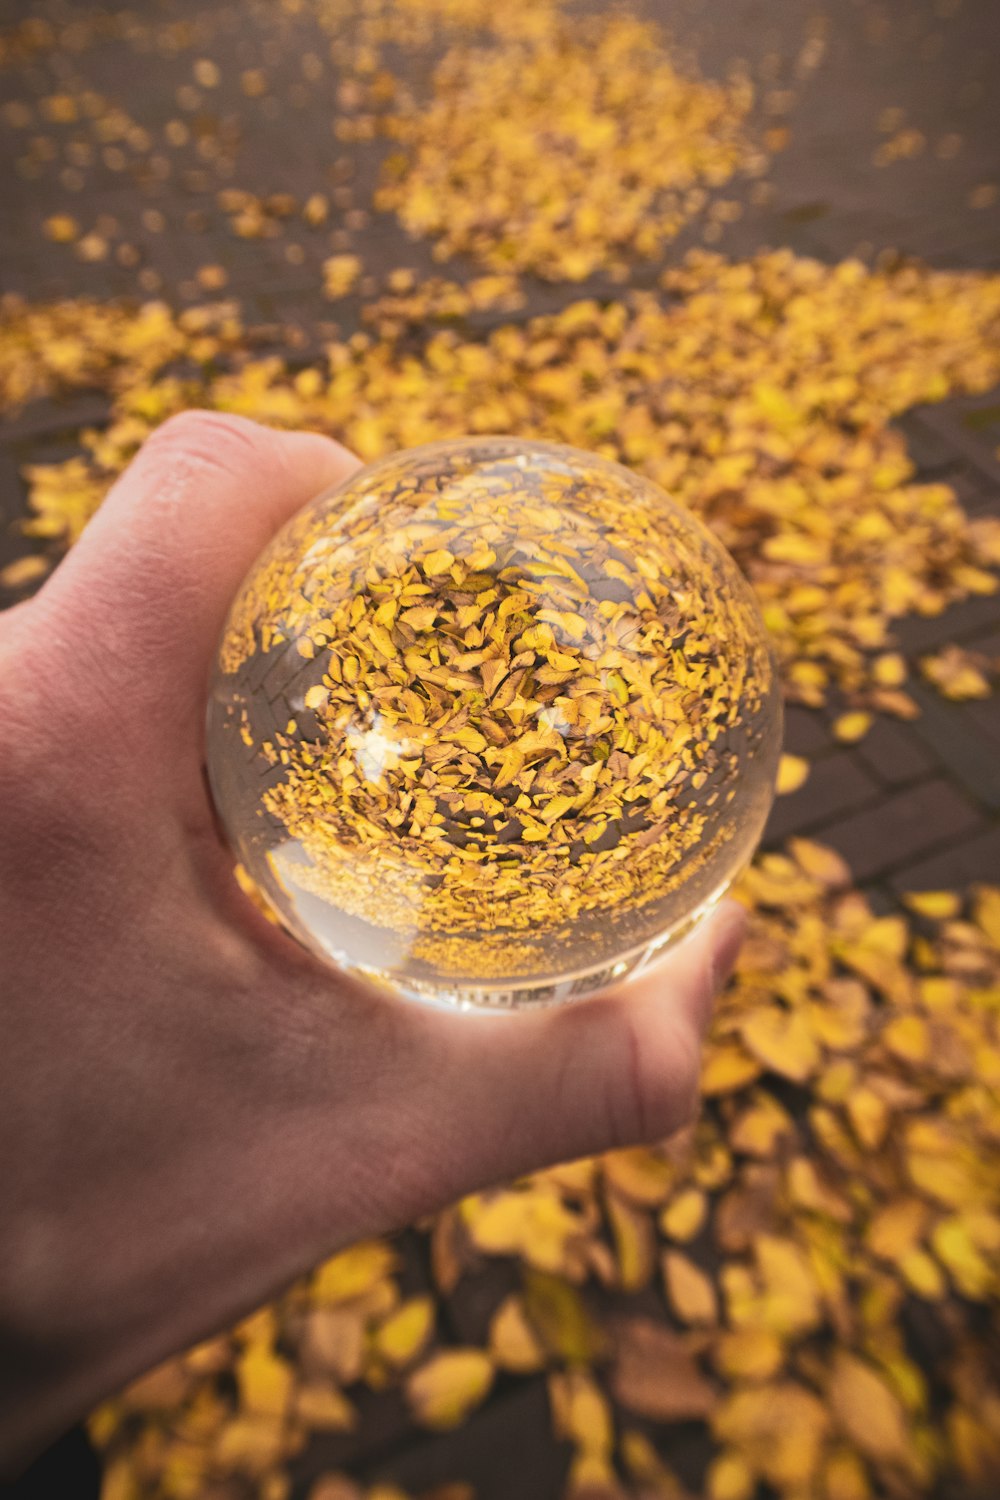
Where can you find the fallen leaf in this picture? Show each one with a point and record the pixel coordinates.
(654, 1375)
(442, 1392)
(870, 1414)
(690, 1292)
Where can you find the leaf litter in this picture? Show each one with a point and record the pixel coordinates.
(810, 1274)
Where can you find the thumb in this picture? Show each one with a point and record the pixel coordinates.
(155, 571)
(524, 1091)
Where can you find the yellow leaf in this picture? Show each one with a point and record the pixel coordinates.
(807, 1189)
(850, 727)
(778, 1430)
(634, 1240)
(442, 1392)
(684, 1215)
(897, 1228)
(908, 1038)
(514, 1345)
(758, 1129)
(951, 1180)
(729, 1478)
(749, 1354)
(323, 1407)
(23, 571)
(783, 1040)
(251, 1445)
(957, 673)
(889, 670)
(792, 547)
(790, 1303)
(533, 1223)
(581, 1412)
(922, 1274)
(845, 1477)
(823, 864)
(438, 562)
(869, 1413)
(340, 272)
(973, 1276)
(317, 697)
(557, 1313)
(987, 912)
(266, 1382)
(869, 1117)
(938, 905)
(793, 772)
(689, 1290)
(975, 1438)
(727, 1067)
(405, 1332)
(639, 1174)
(353, 1272)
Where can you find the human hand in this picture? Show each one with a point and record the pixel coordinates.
(192, 1110)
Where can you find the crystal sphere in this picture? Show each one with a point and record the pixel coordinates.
(493, 721)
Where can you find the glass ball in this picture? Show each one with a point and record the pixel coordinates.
(492, 722)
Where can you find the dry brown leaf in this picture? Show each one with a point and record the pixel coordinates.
(653, 1373)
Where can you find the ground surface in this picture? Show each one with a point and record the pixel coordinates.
(913, 805)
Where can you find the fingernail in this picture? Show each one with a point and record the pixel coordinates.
(730, 930)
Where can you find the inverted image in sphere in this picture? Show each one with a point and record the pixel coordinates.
(492, 721)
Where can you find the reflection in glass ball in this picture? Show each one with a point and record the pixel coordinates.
(493, 721)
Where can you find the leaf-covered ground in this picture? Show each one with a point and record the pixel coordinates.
(804, 1288)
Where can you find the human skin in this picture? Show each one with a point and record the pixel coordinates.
(193, 1111)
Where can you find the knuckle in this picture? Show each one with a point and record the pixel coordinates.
(210, 439)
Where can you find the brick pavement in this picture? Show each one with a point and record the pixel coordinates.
(913, 805)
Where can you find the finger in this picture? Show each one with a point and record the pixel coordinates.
(148, 585)
(525, 1091)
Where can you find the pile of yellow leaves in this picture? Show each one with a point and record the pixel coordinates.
(760, 394)
(829, 1227)
(631, 145)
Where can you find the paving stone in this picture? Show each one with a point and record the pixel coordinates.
(931, 452)
(806, 731)
(882, 902)
(970, 427)
(504, 1449)
(960, 863)
(12, 491)
(924, 633)
(53, 418)
(898, 830)
(837, 784)
(383, 1425)
(962, 743)
(988, 643)
(894, 753)
(985, 715)
(470, 1307)
(977, 495)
